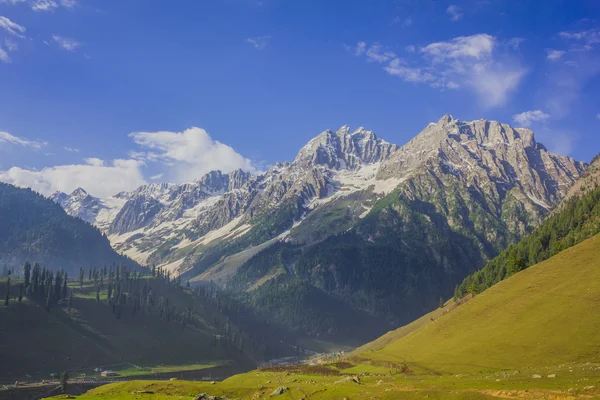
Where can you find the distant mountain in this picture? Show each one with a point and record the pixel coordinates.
(33, 228)
(385, 229)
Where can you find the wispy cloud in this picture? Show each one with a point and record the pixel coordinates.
(71, 149)
(156, 177)
(377, 53)
(526, 118)
(11, 1)
(478, 62)
(567, 79)
(68, 3)
(259, 42)
(12, 27)
(584, 40)
(358, 50)
(554, 55)
(4, 57)
(454, 12)
(66, 43)
(44, 5)
(7, 138)
(96, 176)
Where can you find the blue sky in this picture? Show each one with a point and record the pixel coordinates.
(112, 94)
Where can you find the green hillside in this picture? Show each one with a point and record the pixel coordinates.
(538, 317)
(36, 229)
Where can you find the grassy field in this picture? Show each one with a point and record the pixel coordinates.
(331, 382)
(535, 335)
(163, 369)
(545, 315)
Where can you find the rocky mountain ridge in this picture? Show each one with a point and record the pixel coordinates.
(331, 166)
(435, 209)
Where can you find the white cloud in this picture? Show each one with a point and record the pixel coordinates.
(4, 57)
(454, 12)
(476, 46)
(526, 118)
(598, 115)
(44, 5)
(94, 161)
(98, 179)
(398, 67)
(12, 27)
(66, 43)
(11, 1)
(189, 154)
(259, 42)
(588, 39)
(477, 62)
(71, 149)
(7, 138)
(554, 55)
(156, 177)
(378, 53)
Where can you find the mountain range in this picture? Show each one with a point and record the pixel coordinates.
(367, 225)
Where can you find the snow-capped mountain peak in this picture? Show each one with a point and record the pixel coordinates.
(344, 149)
(172, 225)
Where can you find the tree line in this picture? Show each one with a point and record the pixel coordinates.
(577, 220)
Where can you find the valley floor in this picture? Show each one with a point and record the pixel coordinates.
(345, 380)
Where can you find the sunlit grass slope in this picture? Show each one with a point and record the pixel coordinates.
(545, 315)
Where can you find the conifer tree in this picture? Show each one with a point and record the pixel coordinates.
(64, 380)
(7, 297)
(27, 273)
(64, 288)
(49, 300)
(81, 275)
(20, 293)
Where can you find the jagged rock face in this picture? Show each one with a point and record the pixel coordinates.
(135, 214)
(488, 156)
(344, 150)
(590, 180)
